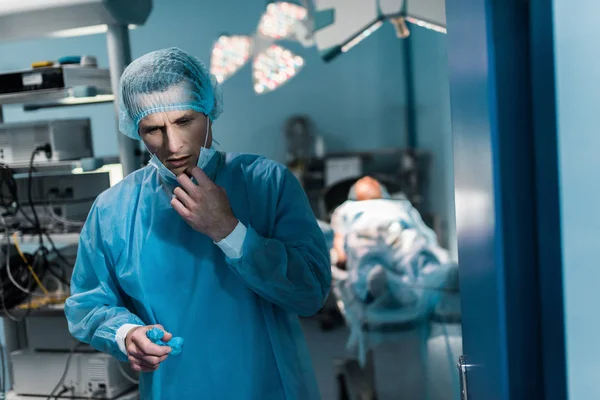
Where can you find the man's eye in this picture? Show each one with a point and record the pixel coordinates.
(183, 121)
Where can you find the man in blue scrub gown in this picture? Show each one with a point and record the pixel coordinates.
(220, 249)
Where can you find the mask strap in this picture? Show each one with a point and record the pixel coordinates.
(207, 126)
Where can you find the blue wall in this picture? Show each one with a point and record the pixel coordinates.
(357, 101)
(578, 96)
(431, 88)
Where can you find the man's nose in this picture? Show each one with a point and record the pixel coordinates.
(174, 141)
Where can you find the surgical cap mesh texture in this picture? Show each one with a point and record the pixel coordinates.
(166, 80)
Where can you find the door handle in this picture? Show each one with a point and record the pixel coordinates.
(462, 373)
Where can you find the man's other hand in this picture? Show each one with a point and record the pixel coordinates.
(143, 355)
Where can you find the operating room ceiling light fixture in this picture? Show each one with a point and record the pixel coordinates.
(272, 64)
(339, 25)
(402, 31)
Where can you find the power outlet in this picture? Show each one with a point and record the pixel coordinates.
(6, 155)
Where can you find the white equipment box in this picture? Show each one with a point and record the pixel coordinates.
(89, 374)
(69, 139)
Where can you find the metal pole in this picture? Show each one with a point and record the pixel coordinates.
(410, 94)
(119, 56)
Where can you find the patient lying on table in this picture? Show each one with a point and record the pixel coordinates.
(385, 246)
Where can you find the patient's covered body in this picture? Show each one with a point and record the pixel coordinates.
(390, 252)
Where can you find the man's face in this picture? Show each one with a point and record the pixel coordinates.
(176, 137)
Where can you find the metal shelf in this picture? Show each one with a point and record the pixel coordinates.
(67, 165)
(71, 101)
(37, 99)
(35, 312)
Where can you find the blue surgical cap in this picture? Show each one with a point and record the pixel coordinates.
(166, 80)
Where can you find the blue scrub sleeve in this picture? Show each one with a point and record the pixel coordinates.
(95, 309)
(290, 267)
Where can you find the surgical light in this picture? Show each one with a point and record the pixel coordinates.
(279, 19)
(273, 67)
(229, 54)
(272, 64)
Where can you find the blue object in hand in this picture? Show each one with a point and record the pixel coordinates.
(176, 344)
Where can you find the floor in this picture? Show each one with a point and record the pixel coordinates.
(395, 372)
(399, 371)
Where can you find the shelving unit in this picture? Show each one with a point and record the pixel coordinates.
(26, 19)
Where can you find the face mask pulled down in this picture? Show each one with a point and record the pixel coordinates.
(203, 160)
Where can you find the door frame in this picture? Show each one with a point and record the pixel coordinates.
(506, 179)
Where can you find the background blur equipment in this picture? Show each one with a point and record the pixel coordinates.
(132, 395)
(69, 139)
(62, 199)
(299, 137)
(341, 168)
(30, 18)
(43, 87)
(48, 333)
(35, 277)
(88, 374)
(401, 170)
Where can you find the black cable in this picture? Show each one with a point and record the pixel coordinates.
(10, 295)
(17, 283)
(64, 390)
(64, 375)
(8, 182)
(36, 219)
(3, 374)
(37, 228)
(14, 302)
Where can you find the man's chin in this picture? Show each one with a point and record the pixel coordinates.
(179, 170)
